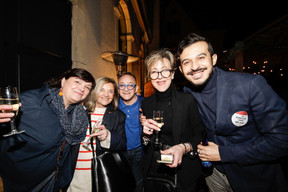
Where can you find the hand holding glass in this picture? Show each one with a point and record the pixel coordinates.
(95, 129)
(9, 96)
(158, 117)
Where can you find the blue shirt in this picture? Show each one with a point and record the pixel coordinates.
(133, 126)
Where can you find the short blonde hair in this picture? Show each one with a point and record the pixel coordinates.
(91, 102)
(159, 55)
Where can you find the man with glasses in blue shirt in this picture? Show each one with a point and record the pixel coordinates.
(130, 103)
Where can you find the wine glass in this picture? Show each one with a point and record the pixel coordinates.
(95, 129)
(158, 117)
(9, 96)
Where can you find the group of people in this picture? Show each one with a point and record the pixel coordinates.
(245, 120)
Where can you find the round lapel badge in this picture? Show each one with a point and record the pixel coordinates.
(240, 118)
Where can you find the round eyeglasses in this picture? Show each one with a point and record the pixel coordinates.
(164, 73)
(129, 86)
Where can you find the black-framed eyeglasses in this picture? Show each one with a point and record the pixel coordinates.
(129, 86)
(165, 73)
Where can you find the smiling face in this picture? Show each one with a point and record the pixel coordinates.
(128, 95)
(105, 96)
(74, 90)
(161, 83)
(197, 63)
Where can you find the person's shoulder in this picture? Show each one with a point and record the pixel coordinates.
(34, 94)
(185, 97)
(238, 76)
(147, 99)
(30, 93)
(140, 97)
(181, 93)
(119, 112)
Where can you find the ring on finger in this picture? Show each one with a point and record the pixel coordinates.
(149, 129)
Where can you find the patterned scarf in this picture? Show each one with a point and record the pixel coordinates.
(74, 127)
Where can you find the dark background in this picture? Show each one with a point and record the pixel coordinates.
(35, 41)
(259, 30)
(35, 36)
(238, 20)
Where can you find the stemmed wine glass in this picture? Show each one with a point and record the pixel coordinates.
(9, 96)
(158, 117)
(95, 129)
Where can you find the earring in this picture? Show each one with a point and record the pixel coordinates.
(60, 92)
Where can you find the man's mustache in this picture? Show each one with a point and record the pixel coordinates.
(195, 71)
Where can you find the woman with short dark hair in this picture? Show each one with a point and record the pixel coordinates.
(55, 123)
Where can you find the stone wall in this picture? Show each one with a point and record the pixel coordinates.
(94, 31)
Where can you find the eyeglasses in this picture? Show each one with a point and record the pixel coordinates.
(129, 86)
(165, 73)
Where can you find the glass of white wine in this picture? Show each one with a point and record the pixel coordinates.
(9, 96)
(95, 129)
(158, 117)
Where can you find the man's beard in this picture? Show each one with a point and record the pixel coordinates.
(201, 86)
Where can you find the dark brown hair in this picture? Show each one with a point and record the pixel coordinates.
(75, 72)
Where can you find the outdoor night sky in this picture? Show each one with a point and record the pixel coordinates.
(238, 18)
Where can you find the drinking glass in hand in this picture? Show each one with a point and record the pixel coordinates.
(158, 117)
(9, 96)
(95, 129)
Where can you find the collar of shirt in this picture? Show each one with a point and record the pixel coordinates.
(122, 105)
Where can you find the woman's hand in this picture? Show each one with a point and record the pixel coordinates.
(149, 125)
(177, 151)
(102, 134)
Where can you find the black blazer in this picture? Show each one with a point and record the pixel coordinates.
(115, 123)
(187, 127)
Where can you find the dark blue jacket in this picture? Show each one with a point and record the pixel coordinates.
(252, 141)
(24, 168)
(115, 123)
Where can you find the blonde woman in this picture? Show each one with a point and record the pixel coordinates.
(102, 104)
(180, 133)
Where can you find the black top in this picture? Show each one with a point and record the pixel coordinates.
(163, 103)
(185, 125)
